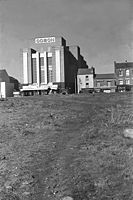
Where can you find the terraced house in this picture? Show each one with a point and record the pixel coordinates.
(121, 80)
(105, 82)
(85, 79)
(124, 75)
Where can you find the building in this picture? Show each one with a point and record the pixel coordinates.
(85, 79)
(120, 80)
(88, 81)
(105, 82)
(49, 64)
(124, 75)
(6, 87)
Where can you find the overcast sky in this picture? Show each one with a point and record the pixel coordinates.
(102, 28)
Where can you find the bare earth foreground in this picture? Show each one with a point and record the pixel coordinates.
(66, 145)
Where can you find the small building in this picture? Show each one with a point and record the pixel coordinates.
(105, 83)
(85, 79)
(15, 82)
(6, 88)
(124, 75)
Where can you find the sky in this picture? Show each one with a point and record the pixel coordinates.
(103, 29)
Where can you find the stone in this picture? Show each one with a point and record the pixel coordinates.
(67, 198)
(128, 133)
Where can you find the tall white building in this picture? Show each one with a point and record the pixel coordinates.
(49, 63)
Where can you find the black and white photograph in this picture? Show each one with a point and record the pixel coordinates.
(66, 99)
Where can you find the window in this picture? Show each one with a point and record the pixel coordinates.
(49, 60)
(87, 78)
(42, 70)
(98, 84)
(50, 74)
(50, 70)
(109, 83)
(41, 61)
(127, 82)
(120, 82)
(34, 70)
(87, 85)
(127, 72)
(120, 72)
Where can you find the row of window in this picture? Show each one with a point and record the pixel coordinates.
(121, 82)
(127, 72)
(127, 82)
(42, 70)
(99, 84)
(49, 61)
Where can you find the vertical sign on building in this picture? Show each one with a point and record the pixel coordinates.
(25, 67)
(58, 63)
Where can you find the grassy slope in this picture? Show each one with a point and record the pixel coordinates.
(54, 146)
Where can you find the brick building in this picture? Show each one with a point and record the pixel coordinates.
(124, 73)
(105, 82)
(48, 63)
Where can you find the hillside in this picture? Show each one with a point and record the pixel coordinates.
(66, 145)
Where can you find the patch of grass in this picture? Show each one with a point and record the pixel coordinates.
(73, 145)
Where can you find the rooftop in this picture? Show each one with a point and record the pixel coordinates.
(85, 71)
(124, 65)
(4, 76)
(105, 76)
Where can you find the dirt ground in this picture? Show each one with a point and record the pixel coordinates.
(54, 146)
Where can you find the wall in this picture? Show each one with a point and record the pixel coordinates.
(123, 67)
(83, 82)
(124, 77)
(9, 89)
(6, 89)
(16, 83)
(2, 89)
(104, 82)
(57, 41)
(71, 67)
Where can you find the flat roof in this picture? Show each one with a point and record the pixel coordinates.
(105, 76)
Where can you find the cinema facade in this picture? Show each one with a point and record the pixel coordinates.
(50, 65)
